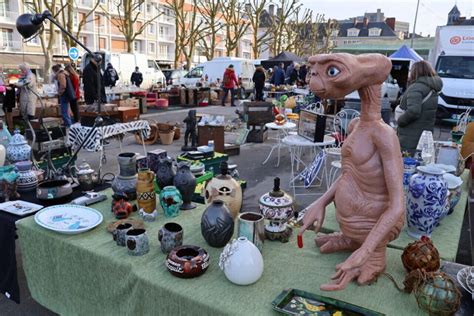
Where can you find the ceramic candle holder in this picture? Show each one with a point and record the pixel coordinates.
(120, 233)
(170, 236)
(137, 242)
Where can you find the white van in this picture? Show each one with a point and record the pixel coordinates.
(125, 64)
(215, 68)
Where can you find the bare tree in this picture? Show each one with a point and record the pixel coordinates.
(331, 28)
(235, 25)
(67, 20)
(210, 11)
(127, 18)
(286, 10)
(47, 34)
(187, 33)
(255, 10)
(295, 30)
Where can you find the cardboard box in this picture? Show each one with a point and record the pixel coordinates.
(130, 102)
(128, 114)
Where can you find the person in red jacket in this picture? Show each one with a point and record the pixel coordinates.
(229, 83)
(74, 76)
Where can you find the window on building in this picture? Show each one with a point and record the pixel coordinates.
(164, 51)
(151, 48)
(375, 31)
(34, 41)
(4, 8)
(353, 32)
(6, 39)
(137, 46)
(149, 8)
(334, 33)
(151, 28)
(102, 43)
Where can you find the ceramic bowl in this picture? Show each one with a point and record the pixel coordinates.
(52, 190)
(187, 261)
(446, 168)
(455, 188)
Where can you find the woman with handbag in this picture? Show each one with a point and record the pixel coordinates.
(74, 76)
(66, 93)
(419, 104)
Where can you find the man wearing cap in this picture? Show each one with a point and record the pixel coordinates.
(229, 83)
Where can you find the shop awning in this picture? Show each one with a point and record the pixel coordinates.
(9, 60)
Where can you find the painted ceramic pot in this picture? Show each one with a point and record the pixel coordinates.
(225, 188)
(427, 200)
(137, 242)
(146, 196)
(217, 225)
(455, 188)
(252, 226)
(241, 262)
(27, 180)
(126, 181)
(120, 233)
(277, 207)
(170, 201)
(187, 261)
(409, 169)
(185, 182)
(121, 207)
(18, 149)
(165, 172)
(170, 236)
(53, 190)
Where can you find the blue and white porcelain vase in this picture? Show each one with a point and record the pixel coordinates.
(18, 149)
(27, 180)
(427, 201)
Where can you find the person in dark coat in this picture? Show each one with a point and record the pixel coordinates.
(302, 75)
(89, 81)
(294, 75)
(418, 115)
(137, 77)
(259, 81)
(110, 76)
(9, 103)
(278, 77)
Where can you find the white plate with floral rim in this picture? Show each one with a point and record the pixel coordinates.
(68, 218)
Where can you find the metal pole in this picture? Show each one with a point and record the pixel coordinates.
(414, 24)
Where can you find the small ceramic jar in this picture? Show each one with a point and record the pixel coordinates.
(170, 201)
(137, 242)
(18, 149)
(187, 261)
(277, 207)
(170, 236)
(120, 233)
(27, 180)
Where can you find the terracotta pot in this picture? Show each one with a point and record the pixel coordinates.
(177, 133)
(166, 138)
(187, 261)
(185, 182)
(217, 225)
(146, 196)
(225, 188)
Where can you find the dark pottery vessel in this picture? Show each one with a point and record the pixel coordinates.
(187, 261)
(165, 172)
(185, 182)
(53, 190)
(126, 181)
(217, 225)
(170, 236)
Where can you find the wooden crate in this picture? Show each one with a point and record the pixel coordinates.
(258, 113)
(127, 114)
(215, 133)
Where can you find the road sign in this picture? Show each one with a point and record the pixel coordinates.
(73, 53)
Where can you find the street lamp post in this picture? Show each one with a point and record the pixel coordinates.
(414, 24)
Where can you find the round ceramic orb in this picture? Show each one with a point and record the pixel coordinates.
(241, 262)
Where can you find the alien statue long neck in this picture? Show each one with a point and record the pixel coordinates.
(368, 194)
(370, 103)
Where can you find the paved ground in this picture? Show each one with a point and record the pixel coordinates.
(259, 178)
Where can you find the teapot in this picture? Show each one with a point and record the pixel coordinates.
(86, 176)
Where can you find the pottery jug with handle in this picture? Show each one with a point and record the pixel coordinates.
(146, 196)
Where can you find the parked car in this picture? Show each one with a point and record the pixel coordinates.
(390, 90)
(173, 76)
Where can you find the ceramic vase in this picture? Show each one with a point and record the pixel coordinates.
(170, 201)
(170, 236)
(18, 149)
(27, 180)
(409, 169)
(225, 188)
(241, 262)
(217, 225)
(146, 196)
(165, 172)
(126, 181)
(252, 226)
(3, 155)
(185, 182)
(426, 201)
(455, 189)
(277, 207)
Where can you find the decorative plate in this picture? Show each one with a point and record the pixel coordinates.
(68, 218)
(466, 279)
(19, 207)
(447, 168)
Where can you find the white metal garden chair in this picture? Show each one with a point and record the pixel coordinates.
(463, 120)
(341, 128)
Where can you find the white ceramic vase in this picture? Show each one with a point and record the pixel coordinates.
(241, 262)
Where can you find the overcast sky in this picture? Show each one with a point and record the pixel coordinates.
(431, 13)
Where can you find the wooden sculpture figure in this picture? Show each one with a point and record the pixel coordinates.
(368, 194)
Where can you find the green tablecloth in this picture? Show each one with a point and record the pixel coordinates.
(88, 274)
(445, 237)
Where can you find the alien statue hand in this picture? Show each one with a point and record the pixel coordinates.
(314, 216)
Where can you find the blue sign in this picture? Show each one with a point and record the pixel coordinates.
(73, 53)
